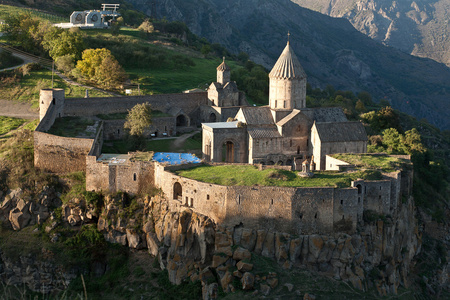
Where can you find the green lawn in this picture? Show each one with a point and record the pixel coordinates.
(7, 124)
(70, 126)
(163, 81)
(28, 87)
(381, 162)
(249, 175)
(6, 10)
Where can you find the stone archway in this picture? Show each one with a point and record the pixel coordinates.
(212, 118)
(177, 191)
(182, 121)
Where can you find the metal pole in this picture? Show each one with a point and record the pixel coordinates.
(53, 69)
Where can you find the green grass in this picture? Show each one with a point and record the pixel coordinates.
(6, 10)
(250, 176)
(70, 126)
(27, 88)
(381, 162)
(7, 124)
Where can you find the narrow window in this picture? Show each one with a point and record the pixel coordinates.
(342, 202)
(192, 202)
(379, 197)
(53, 101)
(284, 104)
(118, 131)
(275, 103)
(315, 216)
(380, 187)
(271, 202)
(187, 201)
(239, 199)
(359, 199)
(207, 197)
(134, 177)
(342, 217)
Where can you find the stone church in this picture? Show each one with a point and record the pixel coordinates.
(285, 132)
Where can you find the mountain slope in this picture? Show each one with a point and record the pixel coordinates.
(330, 50)
(418, 27)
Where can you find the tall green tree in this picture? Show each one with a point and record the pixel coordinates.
(100, 66)
(139, 118)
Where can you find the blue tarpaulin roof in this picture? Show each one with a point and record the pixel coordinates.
(175, 158)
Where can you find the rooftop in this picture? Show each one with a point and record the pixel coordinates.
(249, 175)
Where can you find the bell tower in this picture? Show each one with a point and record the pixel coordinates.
(223, 73)
(287, 82)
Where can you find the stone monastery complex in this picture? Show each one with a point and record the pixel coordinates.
(285, 134)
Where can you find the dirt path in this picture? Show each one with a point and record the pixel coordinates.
(14, 130)
(179, 141)
(16, 109)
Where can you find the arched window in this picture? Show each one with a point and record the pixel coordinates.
(177, 191)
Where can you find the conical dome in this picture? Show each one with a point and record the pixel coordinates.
(287, 66)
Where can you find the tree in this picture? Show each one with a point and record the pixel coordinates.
(360, 107)
(64, 43)
(138, 119)
(100, 66)
(65, 63)
(146, 26)
(206, 49)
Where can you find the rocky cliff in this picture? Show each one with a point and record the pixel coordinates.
(191, 246)
(330, 50)
(418, 27)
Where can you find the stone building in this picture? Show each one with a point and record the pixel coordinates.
(224, 97)
(285, 132)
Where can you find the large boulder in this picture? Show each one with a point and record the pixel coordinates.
(19, 219)
(248, 281)
(241, 253)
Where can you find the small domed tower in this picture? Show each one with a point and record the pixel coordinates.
(287, 87)
(51, 97)
(223, 73)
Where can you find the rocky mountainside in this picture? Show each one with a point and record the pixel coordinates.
(418, 27)
(330, 50)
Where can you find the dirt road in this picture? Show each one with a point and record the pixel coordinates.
(18, 110)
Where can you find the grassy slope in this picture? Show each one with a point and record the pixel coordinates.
(248, 175)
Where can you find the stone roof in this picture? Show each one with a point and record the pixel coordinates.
(325, 114)
(341, 131)
(221, 125)
(288, 117)
(261, 133)
(223, 66)
(287, 66)
(257, 115)
(231, 85)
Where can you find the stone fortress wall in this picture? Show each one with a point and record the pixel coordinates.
(63, 154)
(295, 210)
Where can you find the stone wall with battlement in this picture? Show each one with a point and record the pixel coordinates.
(60, 154)
(94, 106)
(322, 210)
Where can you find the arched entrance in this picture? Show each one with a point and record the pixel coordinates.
(182, 120)
(212, 118)
(177, 191)
(228, 152)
